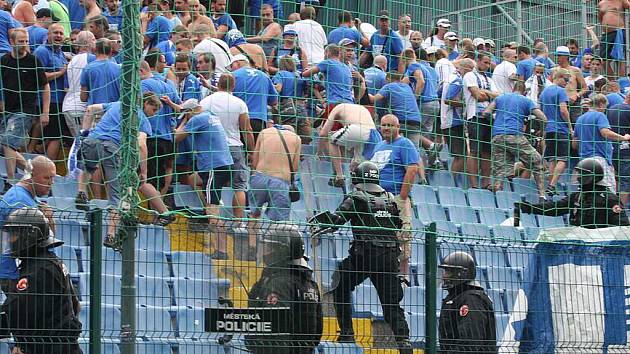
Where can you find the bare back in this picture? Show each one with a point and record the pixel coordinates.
(611, 14)
(349, 113)
(270, 156)
(255, 52)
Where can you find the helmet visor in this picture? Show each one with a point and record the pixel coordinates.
(8, 239)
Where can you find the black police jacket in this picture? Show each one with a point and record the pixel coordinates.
(374, 216)
(288, 286)
(592, 209)
(43, 310)
(467, 323)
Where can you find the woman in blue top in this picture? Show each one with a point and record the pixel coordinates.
(289, 48)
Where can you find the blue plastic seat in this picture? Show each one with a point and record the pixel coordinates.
(527, 188)
(199, 292)
(490, 256)
(480, 231)
(366, 301)
(519, 257)
(506, 234)
(68, 255)
(506, 200)
(106, 348)
(423, 194)
(110, 288)
(510, 296)
(546, 222)
(206, 347)
(461, 214)
(190, 323)
(428, 213)
(481, 198)
(194, 265)
(327, 267)
(110, 321)
(528, 220)
(338, 348)
(531, 233)
(154, 323)
(496, 295)
(153, 292)
(503, 278)
(153, 348)
(227, 195)
(72, 232)
(342, 246)
(62, 203)
(417, 328)
(447, 229)
(502, 320)
(153, 237)
(152, 264)
(452, 196)
(441, 178)
(326, 246)
(187, 198)
(491, 216)
(447, 248)
(64, 187)
(413, 300)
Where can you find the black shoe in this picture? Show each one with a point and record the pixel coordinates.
(346, 338)
(110, 242)
(6, 188)
(221, 256)
(164, 220)
(338, 182)
(434, 152)
(82, 201)
(551, 191)
(404, 346)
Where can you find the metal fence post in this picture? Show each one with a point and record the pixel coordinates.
(128, 292)
(96, 223)
(430, 249)
(519, 20)
(584, 16)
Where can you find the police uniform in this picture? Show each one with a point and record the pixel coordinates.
(467, 323)
(594, 208)
(287, 281)
(374, 253)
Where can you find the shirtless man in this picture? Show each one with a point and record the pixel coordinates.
(238, 45)
(197, 17)
(576, 88)
(357, 132)
(182, 11)
(91, 8)
(25, 13)
(611, 16)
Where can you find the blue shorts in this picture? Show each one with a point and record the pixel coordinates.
(274, 192)
(624, 177)
(15, 129)
(240, 171)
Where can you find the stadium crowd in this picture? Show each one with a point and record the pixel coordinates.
(223, 108)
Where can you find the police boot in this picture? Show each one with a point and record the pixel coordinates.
(346, 337)
(404, 346)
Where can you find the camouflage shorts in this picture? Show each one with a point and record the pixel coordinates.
(507, 149)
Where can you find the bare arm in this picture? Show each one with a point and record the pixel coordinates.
(539, 115)
(419, 82)
(359, 90)
(221, 31)
(376, 98)
(142, 147)
(180, 132)
(85, 94)
(310, 72)
(330, 121)
(246, 129)
(273, 32)
(594, 39)
(91, 113)
(478, 94)
(408, 180)
(296, 155)
(611, 135)
(44, 119)
(278, 86)
(56, 74)
(491, 107)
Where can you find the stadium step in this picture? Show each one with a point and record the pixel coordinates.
(362, 330)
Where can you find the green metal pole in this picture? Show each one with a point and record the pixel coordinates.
(96, 259)
(430, 249)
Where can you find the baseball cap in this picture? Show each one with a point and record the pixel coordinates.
(451, 36)
(383, 15)
(562, 50)
(490, 42)
(289, 32)
(234, 37)
(190, 104)
(346, 41)
(478, 41)
(540, 64)
(443, 22)
(238, 57)
(432, 50)
(43, 13)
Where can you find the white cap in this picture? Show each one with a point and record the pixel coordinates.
(443, 22)
(432, 49)
(478, 41)
(238, 57)
(490, 42)
(562, 50)
(190, 104)
(451, 36)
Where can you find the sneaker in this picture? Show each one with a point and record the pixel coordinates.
(422, 181)
(82, 201)
(346, 338)
(551, 191)
(221, 256)
(239, 229)
(434, 152)
(338, 182)
(164, 220)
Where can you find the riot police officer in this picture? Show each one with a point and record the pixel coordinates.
(593, 207)
(43, 310)
(467, 323)
(374, 253)
(287, 281)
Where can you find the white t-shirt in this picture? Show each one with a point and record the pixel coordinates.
(475, 79)
(436, 42)
(312, 39)
(501, 76)
(447, 111)
(72, 101)
(228, 108)
(533, 91)
(405, 39)
(445, 68)
(590, 80)
(219, 49)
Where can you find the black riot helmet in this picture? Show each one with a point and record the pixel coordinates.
(26, 230)
(366, 177)
(590, 171)
(459, 268)
(283, 245)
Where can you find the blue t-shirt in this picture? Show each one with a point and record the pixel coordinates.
(342, 32)
(190, 88)
(224, 20)
(619, 120)
(389, 45)
(453, 55)
(369, 146)
(53, 60)
(512, 110)
(624, 84)
(592, 143)
(168, 49)
(550, 100)
(208, 142)
(614, 98)
(256, 89)
(526, 67)
(7, 22)
(110, 125)
(100, 77)
(15, 198)
(392, 160)
(158, 30)
(292, 85)
(115, 20)
(36, 36)
(338, 81)
(163, 122)
(431, 81)
(549, 64)
(375, 78)
(76, 12)
(401, 101)
(455, 92)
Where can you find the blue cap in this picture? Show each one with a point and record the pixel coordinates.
(234, 37)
